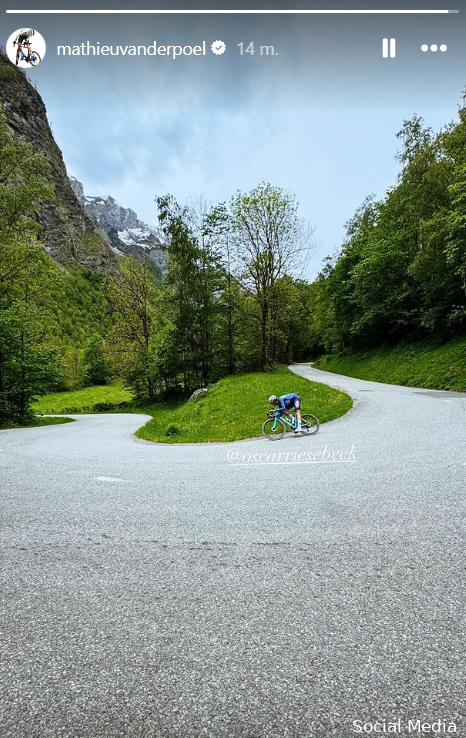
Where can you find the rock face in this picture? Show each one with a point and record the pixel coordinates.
(127, 235)
(105, 211)
(68, 234)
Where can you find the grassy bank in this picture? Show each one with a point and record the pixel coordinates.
(38, 421)
(235, 408)
(87, 400)
(415, 365)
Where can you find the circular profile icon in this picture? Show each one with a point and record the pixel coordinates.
(25, 48)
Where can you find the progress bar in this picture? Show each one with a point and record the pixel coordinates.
(239, 12)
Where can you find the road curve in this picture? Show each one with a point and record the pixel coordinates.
(209, 590)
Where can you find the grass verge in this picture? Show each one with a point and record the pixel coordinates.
(39, 421)
(235, 408)
(88, 400)
(413, 365)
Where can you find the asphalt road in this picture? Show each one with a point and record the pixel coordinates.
(201, 591)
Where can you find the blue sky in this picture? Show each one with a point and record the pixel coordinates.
(319, 118)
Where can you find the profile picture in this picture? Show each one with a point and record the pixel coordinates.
(26, 48)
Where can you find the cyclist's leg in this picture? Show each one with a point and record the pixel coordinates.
(297, 407)
(288, 417)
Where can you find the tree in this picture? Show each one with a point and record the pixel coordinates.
(217, 224)
(269, 241)
(455, 251)
(132, 298)
(191, 295)
(96, 367)
(401, 272)
(29, 365)
(415, 138)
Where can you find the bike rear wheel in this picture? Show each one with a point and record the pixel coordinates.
(35, 58)
(309, 424)
(273, 429)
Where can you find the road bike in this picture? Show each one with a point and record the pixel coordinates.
(33, 58)
(277, 425)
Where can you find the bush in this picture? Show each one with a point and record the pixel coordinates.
(173, 430)
(96, 368)
(103, 407)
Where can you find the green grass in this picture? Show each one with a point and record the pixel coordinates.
(87, 400)
(38, 421)
(414, 365)
(235, 408)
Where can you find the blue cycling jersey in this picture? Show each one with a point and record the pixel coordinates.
(285, 402)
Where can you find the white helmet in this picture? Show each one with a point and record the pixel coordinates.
(31, 32)
(273, 398)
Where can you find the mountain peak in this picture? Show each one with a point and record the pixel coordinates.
(127, 235)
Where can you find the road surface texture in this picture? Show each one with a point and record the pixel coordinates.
(199, 591)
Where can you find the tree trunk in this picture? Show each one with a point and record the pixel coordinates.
(264, 337)
(231, 366)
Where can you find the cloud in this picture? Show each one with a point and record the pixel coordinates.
(317, 119)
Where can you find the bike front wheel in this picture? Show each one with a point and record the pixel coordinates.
(309, 425)
(273, 429)
(35, 58)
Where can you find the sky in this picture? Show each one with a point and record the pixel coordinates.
(318, 118)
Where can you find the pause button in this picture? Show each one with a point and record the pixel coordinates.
(386, 46)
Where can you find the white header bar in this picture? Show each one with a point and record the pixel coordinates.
(236, 12)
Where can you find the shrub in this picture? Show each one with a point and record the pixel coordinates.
(173, 430)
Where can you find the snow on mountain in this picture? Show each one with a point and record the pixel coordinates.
(130, 235)
(127, 235)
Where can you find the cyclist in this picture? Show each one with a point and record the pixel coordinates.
(23, 39)
(284, 403)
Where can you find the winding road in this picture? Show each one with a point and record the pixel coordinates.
(212, 591)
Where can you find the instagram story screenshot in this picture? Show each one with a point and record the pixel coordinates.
(232, 369)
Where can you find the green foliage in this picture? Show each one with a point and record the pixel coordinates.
(269, 241)
(96, 368)
(29, 364)
(415, 365)
(455, 251)
(173, 430)
(83, 400)
(91, 242)
(236, 406)
(227, 303)
(23, 185)
(80, 306)
(401, 273)
(7, 73)
(132, 299)
(190, 298)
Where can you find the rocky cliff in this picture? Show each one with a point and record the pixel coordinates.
(127, 235)
(68, 233)
(105, 211)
